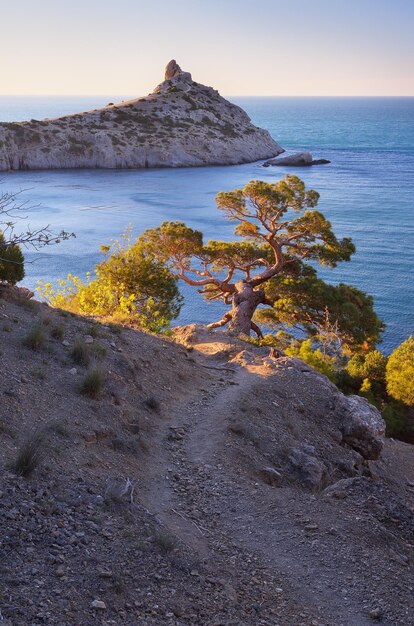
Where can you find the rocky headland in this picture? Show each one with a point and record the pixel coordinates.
(181, 123)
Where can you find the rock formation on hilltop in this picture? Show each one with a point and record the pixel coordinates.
(181, 123)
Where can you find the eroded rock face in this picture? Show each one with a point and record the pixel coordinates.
(172, 70)
(181, 123)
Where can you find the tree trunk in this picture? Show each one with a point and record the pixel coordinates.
(244, 304)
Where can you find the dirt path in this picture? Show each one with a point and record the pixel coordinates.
(193, 490)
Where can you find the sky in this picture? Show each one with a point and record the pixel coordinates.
(241, 47)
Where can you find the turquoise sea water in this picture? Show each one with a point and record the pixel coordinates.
(367, 192)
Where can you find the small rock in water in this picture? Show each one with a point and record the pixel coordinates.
(300, 159)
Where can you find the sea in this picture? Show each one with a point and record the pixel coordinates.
(367, 192)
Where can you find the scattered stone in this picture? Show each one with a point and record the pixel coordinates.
(99, 605)
(309, 470)
(73, 371)
(376, 613)
(88, 339)
(271, 476)
(341, 489)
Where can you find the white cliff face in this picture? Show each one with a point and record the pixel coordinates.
(180, 124)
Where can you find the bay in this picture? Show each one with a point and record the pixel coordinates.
(366, 192)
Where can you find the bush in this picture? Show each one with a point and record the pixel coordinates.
(80, 353)
(93, 382)
(11, 262)
(324, 364)
(129, 286)
(372, 365)
(400, 373)
(35, 338)
(396, 419)
(29, 455)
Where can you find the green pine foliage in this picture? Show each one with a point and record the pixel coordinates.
(278, 232)
(11, 262)
(400, 373)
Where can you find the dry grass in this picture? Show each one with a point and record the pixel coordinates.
(93, 382)
(57, 332)
(81, 353)
(35, 338)
(29, 455)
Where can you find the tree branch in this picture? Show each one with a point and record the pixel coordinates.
(224, 320)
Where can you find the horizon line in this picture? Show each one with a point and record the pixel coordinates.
(101, 95)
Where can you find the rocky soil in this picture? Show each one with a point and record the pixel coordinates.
(205, 484)
(181, 123)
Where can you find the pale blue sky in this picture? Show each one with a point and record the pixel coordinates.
(241, 47)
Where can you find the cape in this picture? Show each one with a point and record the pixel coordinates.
(180, 124)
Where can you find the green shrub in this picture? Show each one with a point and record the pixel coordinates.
(11, 262)
(80, 353)
(323, 363)
(130, 286)
(396, 419)
(93, 330)
(400, 373)
(371, 365)
(35, 338)
(93, 382)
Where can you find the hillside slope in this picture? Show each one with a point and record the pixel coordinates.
(205, 484)
(181, 123)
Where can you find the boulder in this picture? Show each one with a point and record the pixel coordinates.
(344, 487)
(300, 159)
(306, 468)
(362, 426)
